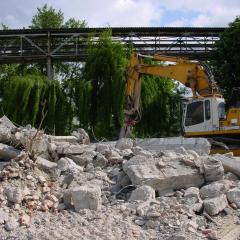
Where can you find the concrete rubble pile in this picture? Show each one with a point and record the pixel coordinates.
(64, 187)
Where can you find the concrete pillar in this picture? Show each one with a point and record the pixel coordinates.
(49, 68)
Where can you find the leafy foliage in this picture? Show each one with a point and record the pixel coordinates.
(73, 23)
(26, 99)
(105, 70)
(226, 58)
(47, 17)
(160, 103)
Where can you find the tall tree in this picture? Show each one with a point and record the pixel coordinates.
(160, 108)
(27, 99)
(47, 17)
(226, 58)
(105, 69)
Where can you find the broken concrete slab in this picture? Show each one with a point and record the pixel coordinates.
(14, 195)
(69, 139)
(100, 161)
(192, 199)
(192, 192)
(4, 216)
(124, 143)
(86, 197)
(66, 164)
(230, 164)
(82, 136)
(49, 167)
(174, 176)
(156, 145)
(143, 193)
(230, 176)
(6, 129)
(215, 189)
(101, 147)
(74, 149)
(215, 205)
(233, 196)
(84, 159)
(212, 168)
(8, 152)
(11, 224)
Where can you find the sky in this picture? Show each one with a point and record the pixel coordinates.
(127, 13)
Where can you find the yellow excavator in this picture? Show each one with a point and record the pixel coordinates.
(205, 114)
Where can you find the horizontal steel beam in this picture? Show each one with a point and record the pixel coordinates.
(34, 45)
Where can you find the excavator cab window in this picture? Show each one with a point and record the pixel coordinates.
(194, 114)
(221, 110)
(207, 110)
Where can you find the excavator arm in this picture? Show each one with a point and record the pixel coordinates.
(189, 73)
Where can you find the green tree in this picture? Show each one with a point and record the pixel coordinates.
(105, 70)
(47, 17)
(160, 108)
(226, 58)
(24, 99)
(73, 23)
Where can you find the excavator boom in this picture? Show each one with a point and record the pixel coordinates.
(189, 73)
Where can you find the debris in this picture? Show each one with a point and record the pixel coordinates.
(86, 197)
(215, 205)
(100, 190)
(11, 224)
(233, 196)
(124, 143)
(142, 170)
(3, 216)
(157, 145)
(24, 220)
(230, 164)
(82, 136)
(14, 195)
(8, 152)
(47, 166)
(143, 193)
(214, 189)
(213, 169)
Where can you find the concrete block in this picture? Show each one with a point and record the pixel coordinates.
(48, 167)
(14, 195)
(143, 193)
(6, 127)
(86, 197)
(174, 176)
(215, 205)
(156, 145)
(8, 152)
(215, 189)
(230, 164)
(124, 143)
(213, 168)
(233, 196)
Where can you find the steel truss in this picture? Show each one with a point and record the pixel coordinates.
(68, 45)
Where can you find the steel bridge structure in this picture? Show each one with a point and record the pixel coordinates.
(69, 45)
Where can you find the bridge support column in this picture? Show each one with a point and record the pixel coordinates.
(50, 74)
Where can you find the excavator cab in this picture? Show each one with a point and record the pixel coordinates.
(202, 116)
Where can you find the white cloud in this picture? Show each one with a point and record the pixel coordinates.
(178, 23)
(218, 17)
(207, 12)
(114, 13)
